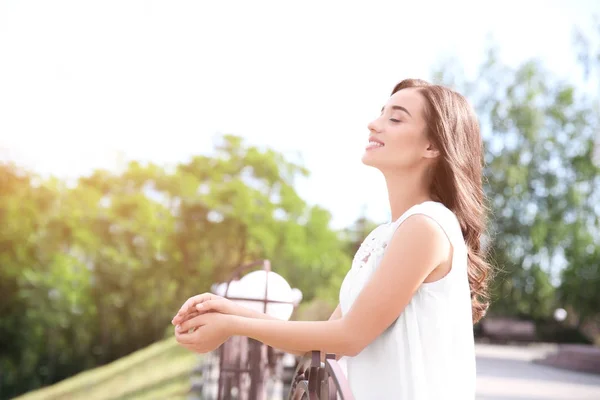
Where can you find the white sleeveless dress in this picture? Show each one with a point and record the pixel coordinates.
(428, 352)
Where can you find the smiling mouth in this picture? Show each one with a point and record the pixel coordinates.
(374, 145)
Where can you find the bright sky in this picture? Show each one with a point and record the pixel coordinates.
(84, 83)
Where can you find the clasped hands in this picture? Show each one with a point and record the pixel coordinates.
(204, 322)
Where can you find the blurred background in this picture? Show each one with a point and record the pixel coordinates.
(148, 148)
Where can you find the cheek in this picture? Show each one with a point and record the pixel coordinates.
(406, 145)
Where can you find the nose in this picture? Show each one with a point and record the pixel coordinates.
(374, 126)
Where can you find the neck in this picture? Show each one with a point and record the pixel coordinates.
(404, 191)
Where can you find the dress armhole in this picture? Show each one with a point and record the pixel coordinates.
(441, 217)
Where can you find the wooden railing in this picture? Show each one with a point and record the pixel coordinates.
(316, 380)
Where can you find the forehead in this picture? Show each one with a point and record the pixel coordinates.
(409, 98)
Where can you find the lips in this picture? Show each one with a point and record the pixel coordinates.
(374, 143)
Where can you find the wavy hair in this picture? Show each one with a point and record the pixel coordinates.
(457, 176)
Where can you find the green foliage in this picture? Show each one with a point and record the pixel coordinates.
(580, 280)
(543, 187)
(93, 271)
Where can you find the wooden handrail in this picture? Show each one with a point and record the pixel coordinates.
(314, 380)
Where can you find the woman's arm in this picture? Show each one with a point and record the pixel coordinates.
(417, 248)
(305, 336)
(337, 314)
(208, 302)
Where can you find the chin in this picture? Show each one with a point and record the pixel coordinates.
(365, 159)
(369, 160)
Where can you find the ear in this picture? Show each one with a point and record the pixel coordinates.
(431, 151)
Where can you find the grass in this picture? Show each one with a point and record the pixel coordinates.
(159, 371)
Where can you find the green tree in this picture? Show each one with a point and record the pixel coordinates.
(95, 270)
(541, 182)
(580, 286)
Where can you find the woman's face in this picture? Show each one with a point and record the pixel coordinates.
(398, 138)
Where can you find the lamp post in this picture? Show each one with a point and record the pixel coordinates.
(246, 364)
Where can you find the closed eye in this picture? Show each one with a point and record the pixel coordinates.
(395, 120)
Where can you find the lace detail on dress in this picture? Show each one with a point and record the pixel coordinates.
(372, 247)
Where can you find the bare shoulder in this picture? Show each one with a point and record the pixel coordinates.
(420, 233)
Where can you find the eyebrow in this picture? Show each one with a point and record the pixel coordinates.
(394, 107)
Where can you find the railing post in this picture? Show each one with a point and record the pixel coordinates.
(314, 380)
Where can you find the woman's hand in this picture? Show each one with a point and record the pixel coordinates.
(206, 302)
(188, 309)
(211, 331)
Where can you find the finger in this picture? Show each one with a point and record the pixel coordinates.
(192, 301)
(192, 323)
(191, 340)
(186, 339)
(189, 303)
(215, 305)
(187, 307)
(190, 315)
(178, 319)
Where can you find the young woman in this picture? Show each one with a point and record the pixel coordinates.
(416, 285)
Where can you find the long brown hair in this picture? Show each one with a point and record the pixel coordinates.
(457, 178)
